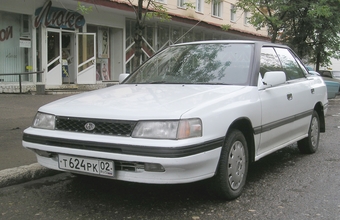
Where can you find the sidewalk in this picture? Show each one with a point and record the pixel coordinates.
(16, 114)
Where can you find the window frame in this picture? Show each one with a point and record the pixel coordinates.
(232, 13)
(246, 17)
(181, 4)
(216, 8)
(199, 6)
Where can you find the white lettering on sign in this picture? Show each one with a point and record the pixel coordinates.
(57, 17)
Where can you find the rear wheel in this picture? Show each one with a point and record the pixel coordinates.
(232, 169)
(310, 144)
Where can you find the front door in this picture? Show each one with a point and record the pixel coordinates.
(54, 64)
(86, 58)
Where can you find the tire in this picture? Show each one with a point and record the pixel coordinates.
(232, 169)
(310, 144)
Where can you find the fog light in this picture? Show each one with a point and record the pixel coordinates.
(153, 167)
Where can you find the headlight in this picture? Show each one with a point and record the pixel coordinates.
(45, 121)
(177, 129)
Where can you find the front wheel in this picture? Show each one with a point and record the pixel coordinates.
(310, 144)
(232, 169)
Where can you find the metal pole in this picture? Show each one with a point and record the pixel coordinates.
(20, 82)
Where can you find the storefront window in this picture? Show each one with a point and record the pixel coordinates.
(188, 35)
(176, 34)
(148, 45)
(53, 51)
(163, 37)
(198, 36)
(103, 60)
(15, 46)
(85, 51)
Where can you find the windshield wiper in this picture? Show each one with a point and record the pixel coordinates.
(211, 83)
(157, 82)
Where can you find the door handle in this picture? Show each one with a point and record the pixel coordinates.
(312, 90)
(290, 96)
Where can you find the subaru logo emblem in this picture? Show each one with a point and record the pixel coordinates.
(89, 126)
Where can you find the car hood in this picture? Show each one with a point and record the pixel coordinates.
(133, 102)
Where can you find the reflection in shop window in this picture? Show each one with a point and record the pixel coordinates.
(188, 35)
(198, 36)
(16, 54)
(85, 51)
(53, 51)
(163, 37)
(176, 34)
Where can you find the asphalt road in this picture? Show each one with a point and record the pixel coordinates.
(284, 185)
(16, 114)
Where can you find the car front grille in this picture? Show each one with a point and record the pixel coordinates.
(97, 126)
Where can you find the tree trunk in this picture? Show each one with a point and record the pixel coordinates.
(274, 35)
(317, 63)
(139, 28)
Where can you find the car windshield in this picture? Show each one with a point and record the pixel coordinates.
(336, 74)
(206, 63)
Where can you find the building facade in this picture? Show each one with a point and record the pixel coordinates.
(51, 44)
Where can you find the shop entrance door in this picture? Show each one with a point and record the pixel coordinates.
(54, 65)
(86, 58)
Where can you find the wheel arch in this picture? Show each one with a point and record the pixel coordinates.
(245, 126)
(320, 111)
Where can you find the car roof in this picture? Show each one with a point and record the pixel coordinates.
(259, 43)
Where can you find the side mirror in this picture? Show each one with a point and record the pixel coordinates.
(123, 76)
(273, 78)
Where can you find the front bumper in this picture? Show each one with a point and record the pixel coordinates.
(182, 164)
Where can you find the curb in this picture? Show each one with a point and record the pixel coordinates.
(22, 174)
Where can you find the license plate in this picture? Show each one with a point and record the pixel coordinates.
(86, 165)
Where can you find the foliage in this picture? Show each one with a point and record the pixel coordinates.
(225, 27)
(83, 9)
(310, 27)
(265, 13)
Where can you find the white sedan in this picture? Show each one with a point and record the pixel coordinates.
(194, 111)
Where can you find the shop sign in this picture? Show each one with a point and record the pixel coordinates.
(5, 34)
(57, 17)
(25, 42)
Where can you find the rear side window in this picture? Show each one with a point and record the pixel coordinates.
(269, 61)
(289, 64)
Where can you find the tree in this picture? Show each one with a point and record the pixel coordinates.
(272, 14)
(310, 27)
(316, 32)
(151, 9)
